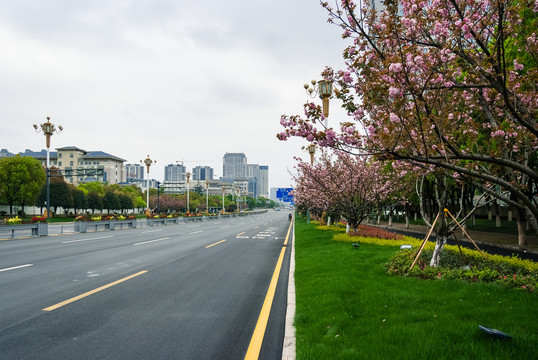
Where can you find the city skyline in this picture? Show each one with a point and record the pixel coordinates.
(138, 78)
(115, 170)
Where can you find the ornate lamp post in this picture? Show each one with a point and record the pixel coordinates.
(324, 88)
(48, 129)
(188, 174)
(223, 209)
(237, 199)
(311, 150)
(148, 163)
(207, 196)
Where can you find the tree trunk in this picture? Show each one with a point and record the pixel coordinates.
(390, 216)
(378, 218)
(406, 220)
(439, 246)
(347, 228)
(497, 214)
(509, 214)
(521, 232)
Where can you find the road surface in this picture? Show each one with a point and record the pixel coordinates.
(186, 291)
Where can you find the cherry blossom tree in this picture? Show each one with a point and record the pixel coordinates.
(344, 183)
(441, 84)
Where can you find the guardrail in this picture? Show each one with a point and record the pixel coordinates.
(37, 229)
(83, 226)
(41, 229)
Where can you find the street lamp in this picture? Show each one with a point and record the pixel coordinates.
(207, 196)
(188, 174)
(148, 163)
(48, 129)
(311, 150)
(324, 89)
(223, 210)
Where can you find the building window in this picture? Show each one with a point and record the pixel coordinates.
(70, 163)
(60, 155)
(59, 163)
(71, 155)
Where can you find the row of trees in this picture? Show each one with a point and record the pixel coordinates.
(22, 182)
(445, 90)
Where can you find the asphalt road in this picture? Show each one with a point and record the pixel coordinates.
(186, 291)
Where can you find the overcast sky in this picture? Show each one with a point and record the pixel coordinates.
(175, 79)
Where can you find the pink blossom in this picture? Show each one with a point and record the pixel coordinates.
(393, 92)
(518, 66)
(498, 133)
(395, 67)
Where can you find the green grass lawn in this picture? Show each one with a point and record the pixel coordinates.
(348, 307)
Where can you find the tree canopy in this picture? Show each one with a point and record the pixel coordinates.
(21, 178)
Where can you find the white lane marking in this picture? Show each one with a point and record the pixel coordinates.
(16, 267)
(150, 231)
(225, 226)
(196, 232)
(96, 238)
(151, 241)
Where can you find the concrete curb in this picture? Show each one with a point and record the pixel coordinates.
(288, 348)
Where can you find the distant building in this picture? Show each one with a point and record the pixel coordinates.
(263, 181)
(134, 172)
(202, 173)
(78, 165)
(253, 176)
(234, 165)
(175, 172)
(5, 153)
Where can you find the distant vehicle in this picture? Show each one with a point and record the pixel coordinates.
(277, 209)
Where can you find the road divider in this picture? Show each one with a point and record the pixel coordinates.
(86, 294)
(90, 239)
(16, 267)
(218, 242)
(151, 241)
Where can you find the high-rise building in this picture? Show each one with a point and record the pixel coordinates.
(263, 181)
(134, 172)
(234, 165)
(202, 173)
(174, 172)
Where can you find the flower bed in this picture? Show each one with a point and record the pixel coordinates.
(511, 272)
(13, 221)
(465, 264)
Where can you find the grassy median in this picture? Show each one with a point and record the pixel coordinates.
(348, 307)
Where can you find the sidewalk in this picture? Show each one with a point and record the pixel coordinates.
(506, 241)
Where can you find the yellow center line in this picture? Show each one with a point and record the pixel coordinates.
(218, 242)
(255, 227)
(288, 235)
(68, 301)
(256, 341)
(241, 233)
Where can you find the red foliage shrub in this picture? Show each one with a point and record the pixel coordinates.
(375, 232)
